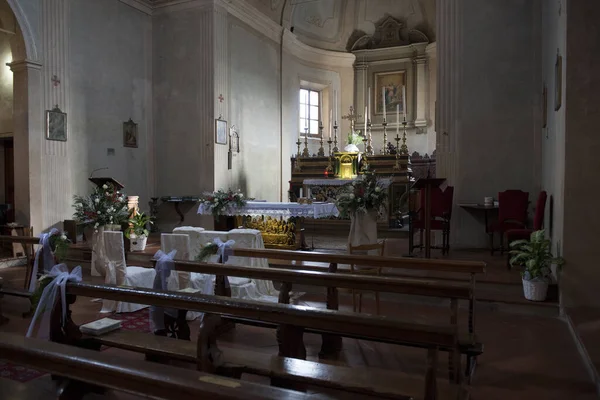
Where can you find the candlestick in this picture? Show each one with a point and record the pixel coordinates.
(330, 123)
(397, 164)
(404, 147)
(321, 152)
(383, 96)
(368, 114)
(335, 105)
(329, 169)
(297, 166)
(385, 149)
(329, 142)
(397, 119)
(335, 128)
(370, 141)
(366, 111)
(305, 152)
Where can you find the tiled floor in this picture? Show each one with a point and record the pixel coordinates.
(527, 355)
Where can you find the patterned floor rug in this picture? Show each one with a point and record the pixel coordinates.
(137, 321)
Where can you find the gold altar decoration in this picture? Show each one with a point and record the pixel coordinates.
(276, 233)
(346, 165)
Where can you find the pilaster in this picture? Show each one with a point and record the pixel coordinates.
(361, 77)
(421, 90)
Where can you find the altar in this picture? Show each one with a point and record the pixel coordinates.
(280, 224)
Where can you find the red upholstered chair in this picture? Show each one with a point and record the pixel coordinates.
(512, 214)
(538, 222)
(441, 212)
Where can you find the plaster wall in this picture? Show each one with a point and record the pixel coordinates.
(6, 86)
(110, 82)
(499, 121)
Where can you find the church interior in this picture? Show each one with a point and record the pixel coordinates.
(299, 199)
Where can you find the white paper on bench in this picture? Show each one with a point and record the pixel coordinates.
(100, 326)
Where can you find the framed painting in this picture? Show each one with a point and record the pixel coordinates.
(389, 85)
(56, 124)
(544, 106)
(220, 131)
(130, 134)
(558, 82)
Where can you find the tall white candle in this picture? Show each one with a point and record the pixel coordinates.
(306, 116)
(397, 118)
(335, 105)
(383, 100)
(330, 123)
(404, 100)
(368, 114)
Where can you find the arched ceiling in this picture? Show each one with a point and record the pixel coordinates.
(329, 24)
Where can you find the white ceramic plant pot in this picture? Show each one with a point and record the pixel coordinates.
(138, 243)
(535, 290)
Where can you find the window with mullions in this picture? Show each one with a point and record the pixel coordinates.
(310, 107)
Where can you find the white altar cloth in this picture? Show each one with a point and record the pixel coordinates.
(276, 209)
(327, 182)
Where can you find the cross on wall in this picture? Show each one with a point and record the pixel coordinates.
(55, 80)
(221, 98)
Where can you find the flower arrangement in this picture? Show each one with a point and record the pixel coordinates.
(365, 194)
(535, 257)
(59, 243)
(355, 138)
(209, 249)
(221, 201)
(106, 205)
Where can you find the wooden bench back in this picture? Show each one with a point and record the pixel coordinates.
(133, 376)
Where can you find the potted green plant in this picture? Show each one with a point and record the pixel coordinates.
(535, 257)
(138, 232)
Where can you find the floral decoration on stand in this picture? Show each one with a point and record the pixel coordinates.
(59, 244)
(105, 206)
(367, 193)
(223, 202)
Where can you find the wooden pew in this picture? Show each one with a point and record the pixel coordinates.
(292, 321)
(133, 376)
(454, 291)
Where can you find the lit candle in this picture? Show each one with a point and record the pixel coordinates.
(404, 100)
(383, 97)
(397, 118)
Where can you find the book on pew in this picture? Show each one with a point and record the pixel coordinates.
(101, 326)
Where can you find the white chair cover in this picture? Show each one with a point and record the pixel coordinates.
(118, 273)
(181, 243)
(194, 233)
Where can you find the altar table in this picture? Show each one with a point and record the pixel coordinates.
(280, 224)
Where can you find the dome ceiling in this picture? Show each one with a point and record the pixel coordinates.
(329, 24)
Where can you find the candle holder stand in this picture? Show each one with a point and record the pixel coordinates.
(335, 128)
(397, 164)
(404, 147)
(297, 165)
(321, 152)
(370, 139)
(385, 149)
(305, 152)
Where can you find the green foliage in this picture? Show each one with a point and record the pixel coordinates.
(138, 225)
(364, 194)
(104, 206)
(534, 256)
(220, 202)
(59, 243)
(43, 281)
(208, 250)
(355, 138)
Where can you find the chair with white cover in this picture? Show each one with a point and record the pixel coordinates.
(194, 233)
(118, 273)
(180, 243)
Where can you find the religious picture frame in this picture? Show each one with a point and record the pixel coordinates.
(392, 83)
(56, 124)
(558, 82)
(220, 131)
(130, 134)
(544, 106)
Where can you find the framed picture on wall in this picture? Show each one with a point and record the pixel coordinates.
(220, 131)
(389, 84)
(558, 82)
(130, 134)
(56, 124)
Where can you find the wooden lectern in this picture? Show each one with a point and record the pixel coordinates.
(428, 184)
(101, 181)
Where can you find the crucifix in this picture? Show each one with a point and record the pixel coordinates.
(221, 98)
(352, 117)
(55, 80)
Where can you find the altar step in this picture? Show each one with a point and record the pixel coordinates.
(338, 227)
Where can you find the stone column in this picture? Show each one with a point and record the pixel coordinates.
(421, 89)
(28, 136)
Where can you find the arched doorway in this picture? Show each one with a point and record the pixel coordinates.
(26, 125)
